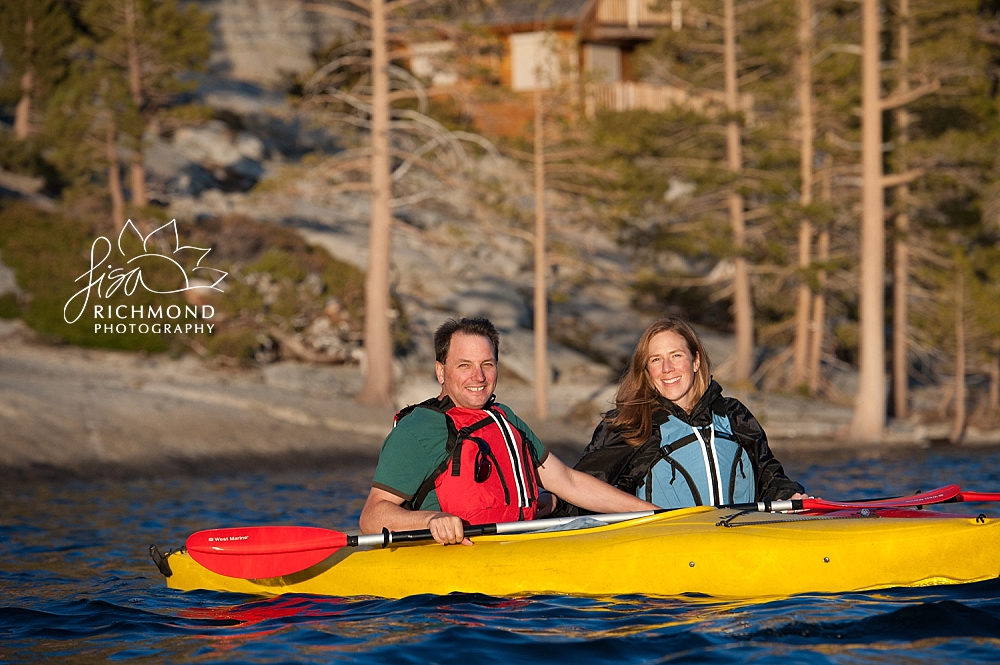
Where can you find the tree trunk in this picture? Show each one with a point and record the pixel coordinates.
(869, 410)
(900, 316)
(114, 174)
(22, 114)
(742, 306)
(995, 378)
(819, 298)
(138, 167)
(901, 250)
(377, 387)
(801, 345)
(819, 315)
(137, 177)
(958, 424)
(541, 263)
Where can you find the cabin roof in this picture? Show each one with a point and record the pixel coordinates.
(539, 14)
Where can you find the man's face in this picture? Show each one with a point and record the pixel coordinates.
(469, 373)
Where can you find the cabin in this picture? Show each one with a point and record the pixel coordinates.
(547, 40)
(588, 42)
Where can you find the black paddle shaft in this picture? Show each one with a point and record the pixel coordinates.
(389, 537)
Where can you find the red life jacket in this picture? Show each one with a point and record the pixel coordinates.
(489, 473)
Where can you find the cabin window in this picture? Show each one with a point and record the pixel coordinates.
(533, 61)
(602, 63)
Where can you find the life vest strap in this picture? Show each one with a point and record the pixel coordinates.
(453, 450)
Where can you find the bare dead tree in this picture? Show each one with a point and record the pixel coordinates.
(742, 305)
(541, 266)
(807, 129)
(356, 89)
(869, 410)
(959, 419)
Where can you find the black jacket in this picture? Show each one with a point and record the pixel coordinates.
(609, 458)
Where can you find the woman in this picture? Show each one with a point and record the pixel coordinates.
(674, 440)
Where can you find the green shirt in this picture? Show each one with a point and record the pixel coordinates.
(417, 446)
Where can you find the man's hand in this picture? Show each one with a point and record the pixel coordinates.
(447, 529)
(384, 509)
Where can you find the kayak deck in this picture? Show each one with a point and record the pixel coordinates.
(718, 553)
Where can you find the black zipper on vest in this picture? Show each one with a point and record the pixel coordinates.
(737, 467)
(710, 458)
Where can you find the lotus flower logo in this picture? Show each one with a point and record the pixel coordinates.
(134, 254)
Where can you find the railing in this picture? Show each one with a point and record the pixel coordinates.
(639, 96)
(631, 13)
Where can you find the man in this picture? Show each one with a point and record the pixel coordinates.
(461, 456)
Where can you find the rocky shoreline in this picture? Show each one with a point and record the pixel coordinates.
(71, 412)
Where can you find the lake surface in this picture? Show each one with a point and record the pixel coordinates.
(77, 585)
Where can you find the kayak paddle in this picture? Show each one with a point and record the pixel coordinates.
(256, 552)
(274, 551)
(975, 497)
(948, 493)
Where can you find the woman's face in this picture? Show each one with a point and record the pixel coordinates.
(671, 366)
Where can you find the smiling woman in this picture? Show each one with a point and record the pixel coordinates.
(674, 439)
(672, 366)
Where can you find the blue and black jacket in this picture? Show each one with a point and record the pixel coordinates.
(715, 455)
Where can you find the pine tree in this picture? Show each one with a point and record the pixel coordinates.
(36, 36)
(88, 111)
(944, 154)
(147, 44)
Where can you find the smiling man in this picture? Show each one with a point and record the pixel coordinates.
(462, 458)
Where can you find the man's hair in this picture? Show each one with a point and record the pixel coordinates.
(469, 326)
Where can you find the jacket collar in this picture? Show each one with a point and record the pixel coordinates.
(445, 402)
(701, 409)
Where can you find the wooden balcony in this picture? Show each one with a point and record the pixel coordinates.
(631, 13)
(639, 96)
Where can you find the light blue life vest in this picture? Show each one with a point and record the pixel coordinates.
(699, 467)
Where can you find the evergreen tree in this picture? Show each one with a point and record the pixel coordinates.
(88, 113)
(731, 144)
(949, 141)
(36, 36)
(147, 44)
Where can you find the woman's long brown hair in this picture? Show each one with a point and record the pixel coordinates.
(637, 395)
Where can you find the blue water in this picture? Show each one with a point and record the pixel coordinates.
(76, 585)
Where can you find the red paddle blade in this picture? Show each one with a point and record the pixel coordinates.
(972, 497)
(255, 552)
(939, 495)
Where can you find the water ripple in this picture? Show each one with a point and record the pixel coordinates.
(77, 586)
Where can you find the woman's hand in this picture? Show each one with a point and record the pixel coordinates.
(546, 504)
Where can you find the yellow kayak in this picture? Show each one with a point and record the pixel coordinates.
(718, 553)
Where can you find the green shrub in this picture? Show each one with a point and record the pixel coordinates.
(48, 253)
(279, 263)
(51, 254)
(9, 308)
(238, 343)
